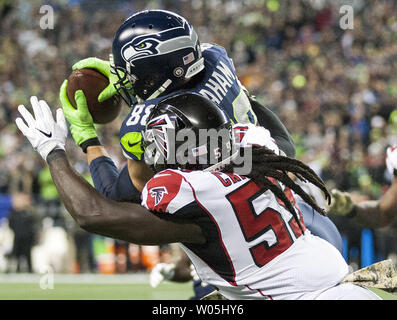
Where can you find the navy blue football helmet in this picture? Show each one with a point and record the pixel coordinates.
(154, 51)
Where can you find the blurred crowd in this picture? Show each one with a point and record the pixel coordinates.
(334, 88)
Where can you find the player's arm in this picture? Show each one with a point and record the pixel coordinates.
(125, 185)
(269, 120)
(372, 213)
(139, 173)
(379, 213)
(92, 211)
(120, 220)
(108, 180)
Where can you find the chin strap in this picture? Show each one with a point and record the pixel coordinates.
(159, 91)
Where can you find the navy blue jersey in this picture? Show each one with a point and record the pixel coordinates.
(219, 83)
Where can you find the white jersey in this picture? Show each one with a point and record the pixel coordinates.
(255, 249)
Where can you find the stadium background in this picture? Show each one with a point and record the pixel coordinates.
(335, 90)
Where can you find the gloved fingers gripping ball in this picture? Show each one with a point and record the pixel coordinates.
(94, 84)
(81, 122)
(103, 67)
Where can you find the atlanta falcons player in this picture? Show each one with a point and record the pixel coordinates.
(243, 233)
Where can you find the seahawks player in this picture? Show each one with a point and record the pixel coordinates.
(243, 233)
(156, 54)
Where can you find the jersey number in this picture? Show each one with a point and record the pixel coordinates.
(268, 224)
(136, 114)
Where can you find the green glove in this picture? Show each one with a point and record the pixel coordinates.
(81, 124)
(103, 67)
(341, 204)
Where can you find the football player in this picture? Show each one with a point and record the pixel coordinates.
(244, 234)
(157, 53)
(180, 271)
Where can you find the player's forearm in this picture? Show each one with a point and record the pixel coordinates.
(280, 133)
(367, 214)
(269, 120)
(140, 173)
(374, 214)
(377, 214)
(388, 202)
(110, 182)
(72, 188)
(95, 152)
(107, 179)
(85, 204)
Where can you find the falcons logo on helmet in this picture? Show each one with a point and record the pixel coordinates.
(157, 129)
(158, 194)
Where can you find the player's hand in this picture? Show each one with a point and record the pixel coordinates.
(255, 135)
(341, 203)
(41, 130)
(391, 160)
(161, 272)
(81, 124)
(103, 67)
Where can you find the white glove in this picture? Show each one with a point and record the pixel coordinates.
(42, 131)
(249, 134)
(161, 272)
(391, 159)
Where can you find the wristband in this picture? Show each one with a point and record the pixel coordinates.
(90, 142)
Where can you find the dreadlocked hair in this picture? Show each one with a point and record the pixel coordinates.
(266, 164)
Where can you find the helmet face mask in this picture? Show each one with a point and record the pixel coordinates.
(155, 51)
(124, 84)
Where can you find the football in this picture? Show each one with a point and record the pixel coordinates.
(92, 83)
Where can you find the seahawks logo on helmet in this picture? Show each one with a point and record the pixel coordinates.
(158, 194)
(151, 45)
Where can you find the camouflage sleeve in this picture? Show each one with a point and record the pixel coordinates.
(380, 275)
